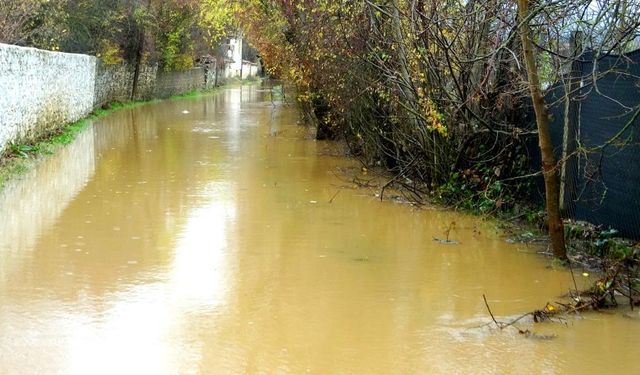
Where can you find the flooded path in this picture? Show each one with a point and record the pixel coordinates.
(196, 236)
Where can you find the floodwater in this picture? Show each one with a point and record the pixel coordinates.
(209, 236)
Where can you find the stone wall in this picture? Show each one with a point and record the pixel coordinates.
(210, 80)
(41, 90)
(174, 83)
(114, 83)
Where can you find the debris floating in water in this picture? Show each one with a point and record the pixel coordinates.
(185, 112)
(445, 241)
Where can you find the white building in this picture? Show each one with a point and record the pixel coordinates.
(234, 57)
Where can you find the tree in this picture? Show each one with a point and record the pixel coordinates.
(24, 21)
(216, 19)
(549, 165)
(15, 19)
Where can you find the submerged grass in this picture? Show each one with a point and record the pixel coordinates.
(19, 157)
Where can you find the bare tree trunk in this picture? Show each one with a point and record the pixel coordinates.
(550, 172)
(405, 79)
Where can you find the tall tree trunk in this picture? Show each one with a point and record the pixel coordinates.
(404, 83)
(136, 72)
(549, 170)
(139, 52)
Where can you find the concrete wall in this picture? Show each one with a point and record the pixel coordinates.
(230, 71)
(249, 69)
(235, 45)
(42, 90)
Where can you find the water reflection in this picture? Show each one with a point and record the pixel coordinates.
(30, 206)
(199, 273)
(199, 236)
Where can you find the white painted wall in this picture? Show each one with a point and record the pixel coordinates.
(236, 48)
(41, 90)
(249, 69)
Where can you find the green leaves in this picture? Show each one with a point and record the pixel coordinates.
(22, 151)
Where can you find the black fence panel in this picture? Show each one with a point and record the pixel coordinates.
(596, 134)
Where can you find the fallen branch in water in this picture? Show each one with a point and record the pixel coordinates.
(334, 196)
(503, 325)
(616, 281)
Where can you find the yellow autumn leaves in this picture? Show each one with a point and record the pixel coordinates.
(432, 117)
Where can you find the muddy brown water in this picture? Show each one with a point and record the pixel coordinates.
(196, 236)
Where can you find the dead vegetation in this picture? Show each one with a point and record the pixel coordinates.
(618, 285)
